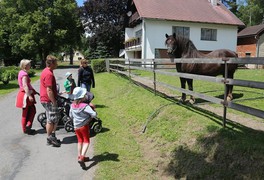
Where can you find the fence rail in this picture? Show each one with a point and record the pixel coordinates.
(161, 66)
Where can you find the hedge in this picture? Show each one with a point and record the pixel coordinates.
(98, 65)
(10, 73)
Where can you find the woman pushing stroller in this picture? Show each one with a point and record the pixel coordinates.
(81, 114)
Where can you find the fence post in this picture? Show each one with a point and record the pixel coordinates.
(154, 76)
(107, 65)
(129, 70)
(225, 93)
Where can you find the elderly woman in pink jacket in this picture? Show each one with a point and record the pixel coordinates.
(25, 97)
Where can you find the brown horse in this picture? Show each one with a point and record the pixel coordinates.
(180, 47)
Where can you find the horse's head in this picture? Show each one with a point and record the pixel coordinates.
(171, 45)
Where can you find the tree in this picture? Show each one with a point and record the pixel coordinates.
(104, 23)
(252, 13)
(232, 5)
(32, 29)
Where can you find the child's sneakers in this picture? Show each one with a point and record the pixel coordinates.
(86, 159)
(81, 160)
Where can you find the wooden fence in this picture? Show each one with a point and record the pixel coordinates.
(161, 66)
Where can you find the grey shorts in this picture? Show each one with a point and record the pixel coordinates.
(52, 113)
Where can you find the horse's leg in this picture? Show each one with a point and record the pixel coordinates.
(230, 87)
(190, 86)
(183, 82)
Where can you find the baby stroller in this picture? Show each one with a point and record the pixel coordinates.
(95, 124)
(64, 109)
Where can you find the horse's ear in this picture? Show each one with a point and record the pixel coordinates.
(174, 35)
(166, 35)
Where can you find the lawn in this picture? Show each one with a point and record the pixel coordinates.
(180, 141)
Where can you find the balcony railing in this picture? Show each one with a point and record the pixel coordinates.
(132, 42)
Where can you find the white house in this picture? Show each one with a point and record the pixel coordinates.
(76, 57)
(208, 23)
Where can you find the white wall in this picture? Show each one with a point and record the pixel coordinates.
(226, 37)
(130, 33)
(154, 35)
(261, 46)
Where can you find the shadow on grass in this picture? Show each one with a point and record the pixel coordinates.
(106, 156)
(222, 154)
(233, 152)
(100, 106)
(93, 134)
(104, 129)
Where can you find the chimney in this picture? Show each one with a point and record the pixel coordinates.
(213, 2)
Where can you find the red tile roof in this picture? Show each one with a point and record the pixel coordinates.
(251, 31)
(186, 10)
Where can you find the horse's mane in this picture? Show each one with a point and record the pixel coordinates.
(187, 48)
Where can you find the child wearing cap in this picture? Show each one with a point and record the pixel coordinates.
(69, 84)
(81, 114)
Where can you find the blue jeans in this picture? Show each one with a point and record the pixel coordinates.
(87, 86)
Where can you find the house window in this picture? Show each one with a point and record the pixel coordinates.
(138, 36)
(248, 54)
(181, 31)
(139, 33)
(208, 34)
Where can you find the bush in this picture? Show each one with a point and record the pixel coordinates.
(31, 73)
(10, 73)
(98, 65)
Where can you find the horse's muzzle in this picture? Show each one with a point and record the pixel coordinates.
(170, 54)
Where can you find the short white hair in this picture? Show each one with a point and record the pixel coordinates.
(24, 62)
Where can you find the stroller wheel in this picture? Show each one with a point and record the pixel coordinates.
(97, 127)
(41, 116)
(43, 122)
(65, 119)
(68, 126)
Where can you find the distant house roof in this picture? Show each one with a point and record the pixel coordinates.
(251, 31)
(186, 10)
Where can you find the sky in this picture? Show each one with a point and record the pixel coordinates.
(79, 2)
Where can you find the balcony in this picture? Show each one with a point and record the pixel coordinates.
(133, 43)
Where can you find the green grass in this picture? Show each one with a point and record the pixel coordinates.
(242, 95)
(181, 141)
(12, 86)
